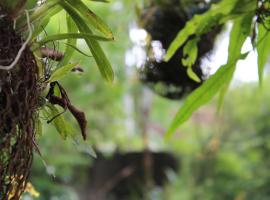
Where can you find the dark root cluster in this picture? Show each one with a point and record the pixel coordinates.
(170, 79)
(18, 103)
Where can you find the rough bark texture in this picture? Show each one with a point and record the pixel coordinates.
(19, 94)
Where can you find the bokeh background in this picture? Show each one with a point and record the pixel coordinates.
(212, 156)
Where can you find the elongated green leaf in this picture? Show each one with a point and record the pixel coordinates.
(65, 36)
(201, 96)
(200, 24)
(102, 1)
(38, 126)
(78, 50)
(91, 17)
(83, 146)
(223, 76)
(61, 72)
(263, 49)
(42, 11)
(41, 14)
(240, 32)
(71, 28)
(97, 52)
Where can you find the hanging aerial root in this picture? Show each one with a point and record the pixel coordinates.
(18, 105)
(15, 61)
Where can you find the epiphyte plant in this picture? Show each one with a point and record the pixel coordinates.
(28, 68)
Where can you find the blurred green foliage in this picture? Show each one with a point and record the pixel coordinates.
(221, 157)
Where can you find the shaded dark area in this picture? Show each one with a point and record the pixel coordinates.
(123, 175)
(170, 79)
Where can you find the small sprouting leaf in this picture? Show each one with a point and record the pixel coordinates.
(263, 49)
(61, 72)
(193, 75)
(190, 52)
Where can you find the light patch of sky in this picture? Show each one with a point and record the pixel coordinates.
(246, 70)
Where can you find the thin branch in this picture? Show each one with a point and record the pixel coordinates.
(8, 67)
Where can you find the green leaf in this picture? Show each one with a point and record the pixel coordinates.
(61, 72)
(84, 147)
(240, 31)
(102, 1)
(97, 52)
(193, 75)
(64, 36)
(263, 50)
(50, 111)
(223, 76)
(30, 4)
(71, 28)
(78, 50)
(38, 126)
(201, 96)
(190, 52)
(42, 13)
(201, 24)
(90, 17)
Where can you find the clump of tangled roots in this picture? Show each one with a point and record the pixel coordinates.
(19, 94)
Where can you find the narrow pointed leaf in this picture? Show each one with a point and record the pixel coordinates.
(68, 52)
(201, 24)
(222, 77)
(91, 17)
(64, 36)
(263, 49)
(97, 52)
